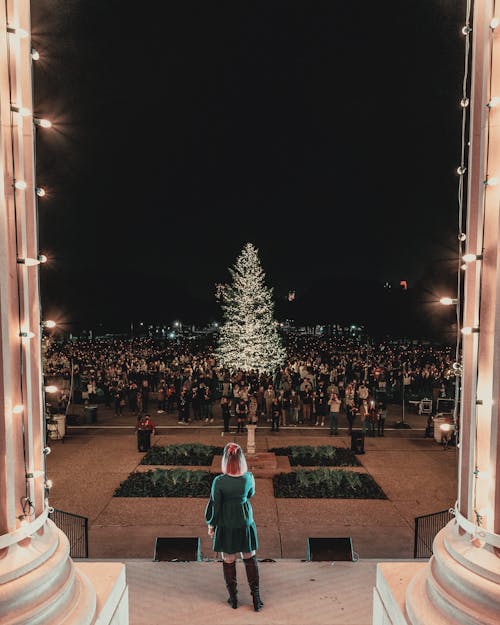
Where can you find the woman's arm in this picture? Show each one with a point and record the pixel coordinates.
(213, 509)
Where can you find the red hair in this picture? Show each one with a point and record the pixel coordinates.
(233, 460)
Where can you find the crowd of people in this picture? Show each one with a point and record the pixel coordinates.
(322, 377)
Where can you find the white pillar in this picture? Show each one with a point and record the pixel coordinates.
(461, 582)
(39, 583)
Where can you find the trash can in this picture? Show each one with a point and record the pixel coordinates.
(60, 420)
(90, 414)
(143, 440)
(358, 442)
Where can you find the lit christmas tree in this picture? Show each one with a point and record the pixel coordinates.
(249, 335)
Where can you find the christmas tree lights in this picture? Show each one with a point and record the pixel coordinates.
(249, 335)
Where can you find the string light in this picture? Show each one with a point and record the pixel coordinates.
(51, 389)
(48, 484)
(470, 258)
(34, 474)
(31, 262)
(469, 330)
(17, 32)
(18, 409)
(462, 237)
(448, 301)
(43, 123)
(491, 182)
(34, 55)
(466, 30)
(22, 110)
(20, 185)
(494, 23)
(461, 170)
(40, 191)
(493, 102)
(49, 324)
(26, 334)
(46, 451)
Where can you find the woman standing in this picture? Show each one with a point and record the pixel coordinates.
(230, 522)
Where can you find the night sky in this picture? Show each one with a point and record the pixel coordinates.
(326, 133)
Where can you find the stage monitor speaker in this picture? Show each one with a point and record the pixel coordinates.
(357, 442)
(330, 549)
(177, 549)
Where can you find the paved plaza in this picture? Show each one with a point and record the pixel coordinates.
(416, 474)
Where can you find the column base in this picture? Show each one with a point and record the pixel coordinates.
(460, 585)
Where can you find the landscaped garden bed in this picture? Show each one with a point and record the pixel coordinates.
(326, 484)
(186, 454)
(320, 456)
(167, 483)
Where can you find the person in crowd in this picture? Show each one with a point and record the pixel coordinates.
(334, 404)
(226, 412)
(373, 414)
(241, 415)
(275, 415)
(161, 399)
(363, 412)
(269, 397)
(252, 409)
(231, 525)
(321, 403)
(294, 407)
(382, 414)
(351, 412)
(183, 407)
(206, 403)
(196, 402)
(306, 400)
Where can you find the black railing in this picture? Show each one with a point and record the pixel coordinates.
(76, 528)
(426, 528)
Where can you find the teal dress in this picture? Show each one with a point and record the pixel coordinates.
(231, 515)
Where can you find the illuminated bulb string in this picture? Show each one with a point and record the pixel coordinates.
(461, 170)
(27, 506)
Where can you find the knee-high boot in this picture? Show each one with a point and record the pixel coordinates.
(252, 569)
(229, 569)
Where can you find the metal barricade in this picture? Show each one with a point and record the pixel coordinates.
(426, 528)
(76, 528)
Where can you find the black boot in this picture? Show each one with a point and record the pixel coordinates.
(231, 585)
(252, 569)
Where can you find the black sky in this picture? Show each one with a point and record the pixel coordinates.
(327, 133)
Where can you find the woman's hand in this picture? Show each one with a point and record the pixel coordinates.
(210, 530)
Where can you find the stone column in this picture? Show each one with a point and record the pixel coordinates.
(461, 582)
(39, 583)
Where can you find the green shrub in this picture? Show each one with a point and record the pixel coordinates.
(194, 454)
(326, 484)
(167, 483)
(320, 456)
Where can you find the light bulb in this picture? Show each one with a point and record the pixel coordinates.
(49, 324)
(40, 191)
(44, 123)
(470, 258)
(491, 182)
(51, 389)
(462, 236)
(18, 409)
(42, 258)
(495, 101)
(48, 484)
(34, 55)
(29, 262)
(47, 450)
(466, 30)
(22, 110)
(26, 334)
(447, 301)
(18, 32)
(469, 330)
(494, 23)
(464, 102)
(463, 267)
(21, 185)
(461, 170)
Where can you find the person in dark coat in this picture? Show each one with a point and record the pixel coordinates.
(229, 517)
(226, 412)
